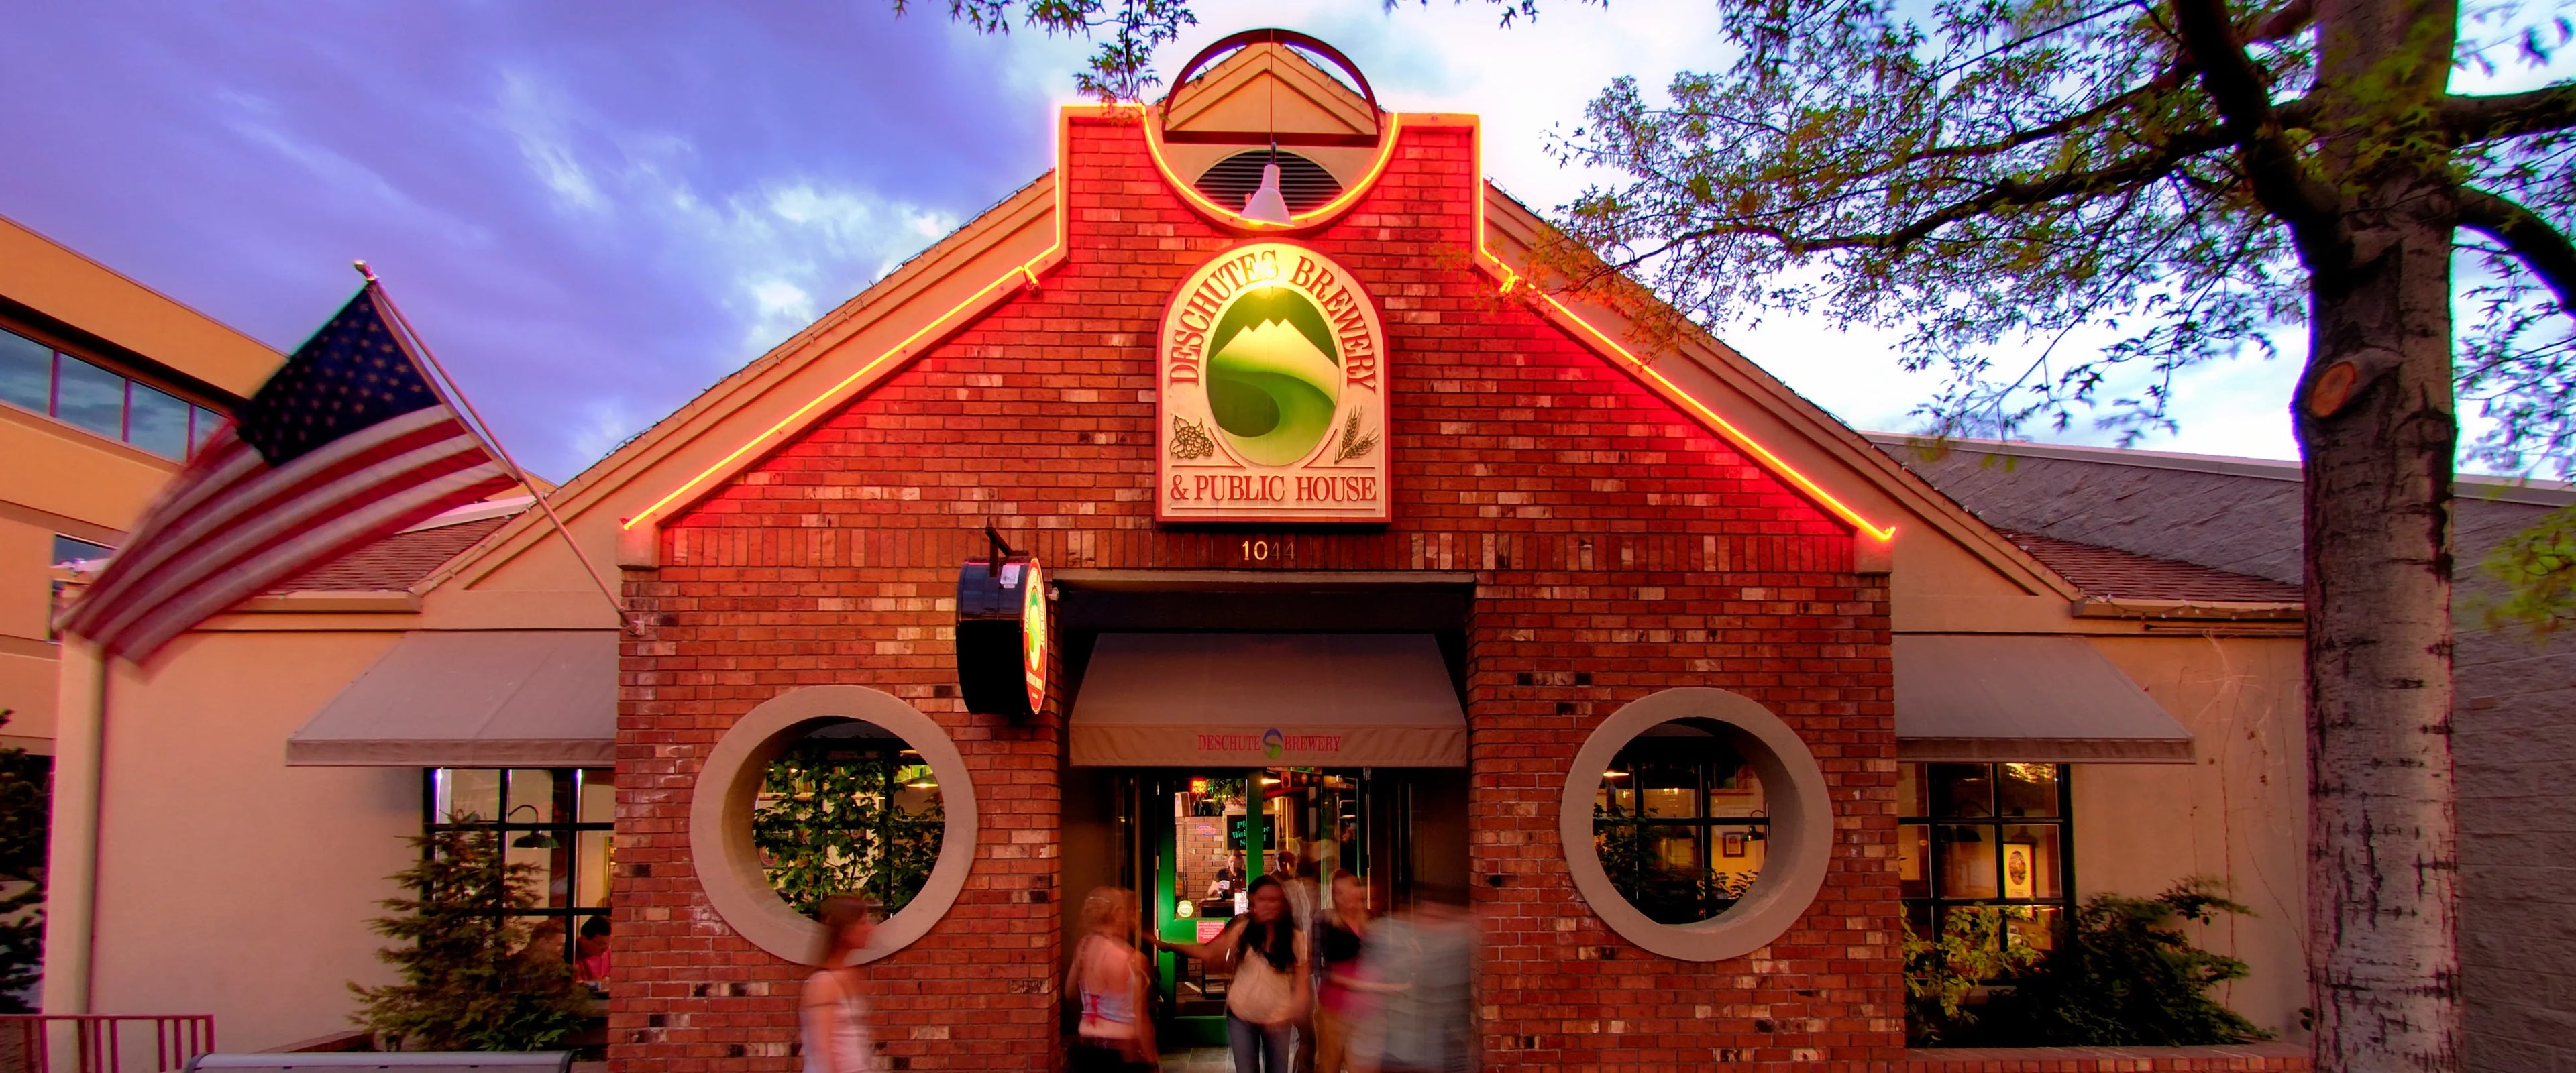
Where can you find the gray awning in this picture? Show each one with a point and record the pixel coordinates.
(1268, 699)
(1978, 697)
(473, 698)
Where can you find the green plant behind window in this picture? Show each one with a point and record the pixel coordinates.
(468, 981)
(831, 822)
(1666, 894)
(1972, 947)
(2125, 975)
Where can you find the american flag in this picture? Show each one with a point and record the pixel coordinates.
(348, 443)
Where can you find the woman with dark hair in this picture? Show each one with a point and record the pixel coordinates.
(833, 1011)
(1269, 992)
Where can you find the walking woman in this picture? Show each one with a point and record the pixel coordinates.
(1108, 975)
(833, 1011)
(1269, 992)
(1343, 1000)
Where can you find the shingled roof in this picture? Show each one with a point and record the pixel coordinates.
(395, 563)
(2112, 574)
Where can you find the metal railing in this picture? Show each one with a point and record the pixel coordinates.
(102, 1043)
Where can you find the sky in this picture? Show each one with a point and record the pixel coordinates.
(593, 211)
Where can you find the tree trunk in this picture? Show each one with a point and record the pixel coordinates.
(2383, 959)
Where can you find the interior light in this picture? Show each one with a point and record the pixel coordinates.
(533, 839)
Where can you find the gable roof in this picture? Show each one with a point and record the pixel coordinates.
(2241, 515)
(2113, 574)
(614, 506)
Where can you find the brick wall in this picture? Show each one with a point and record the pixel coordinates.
(1619, 549)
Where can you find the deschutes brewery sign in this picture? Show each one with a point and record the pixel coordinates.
(1002, 639)
(1272, 393)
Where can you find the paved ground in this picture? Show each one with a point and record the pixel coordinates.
(1200, 1060)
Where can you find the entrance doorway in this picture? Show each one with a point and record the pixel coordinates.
(1190, 841)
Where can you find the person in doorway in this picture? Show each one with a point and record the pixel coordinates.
(1108, 975)
(1229, 879)
(1344, 999)
(1424, 963)
(833, 1008)
(1269, 992)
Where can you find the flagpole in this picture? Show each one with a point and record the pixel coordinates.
(446, 386)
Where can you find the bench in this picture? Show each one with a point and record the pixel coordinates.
(405, 1061)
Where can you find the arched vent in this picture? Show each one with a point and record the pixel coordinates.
(1304, 183)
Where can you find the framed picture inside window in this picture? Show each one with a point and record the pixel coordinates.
(2021, 869)
(1731, 844)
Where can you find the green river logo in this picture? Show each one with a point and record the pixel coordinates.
(1273, 376)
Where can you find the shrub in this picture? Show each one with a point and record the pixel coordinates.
(468, 983)
(26, 811)
(2124, 975)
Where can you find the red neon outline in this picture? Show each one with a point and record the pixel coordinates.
(1391, 127)
(1027, 272)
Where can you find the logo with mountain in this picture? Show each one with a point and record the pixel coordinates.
(1271, 391)
(1274, 379)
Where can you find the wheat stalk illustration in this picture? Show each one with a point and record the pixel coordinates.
(1353, 444)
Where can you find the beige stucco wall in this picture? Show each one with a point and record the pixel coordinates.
(2238, 813)
(230, 883)
(58, 479)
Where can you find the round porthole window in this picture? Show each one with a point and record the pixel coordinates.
(1696, 824)
(832, 790)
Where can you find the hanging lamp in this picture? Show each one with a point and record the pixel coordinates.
(1266, 204)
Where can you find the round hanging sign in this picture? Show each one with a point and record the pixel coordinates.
(1272, 392)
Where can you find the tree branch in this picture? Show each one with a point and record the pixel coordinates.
(2478, 119)
(2015, 140)
(2006, 193)
(2280, 178)
(2528, 237)
(2291, 20)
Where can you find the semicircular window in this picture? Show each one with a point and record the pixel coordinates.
(1303, 183)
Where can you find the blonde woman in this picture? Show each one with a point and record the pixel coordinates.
(834, 1008)
(1108, 975)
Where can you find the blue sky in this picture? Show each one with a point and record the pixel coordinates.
(593, 211)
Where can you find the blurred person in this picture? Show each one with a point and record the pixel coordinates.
(1229, 879)
(1345, 997)
(1424, 962)
(590, 966)
(1270, 990)
(545, 941)
(1109, 977)
(832, 1009)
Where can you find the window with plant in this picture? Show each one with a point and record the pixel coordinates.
(557, 823)
(849, 809)
(1980, 836)
(1680, 822)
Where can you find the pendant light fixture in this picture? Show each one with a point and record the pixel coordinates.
(1266, 204)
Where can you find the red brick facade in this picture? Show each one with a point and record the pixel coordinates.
(1619, 550)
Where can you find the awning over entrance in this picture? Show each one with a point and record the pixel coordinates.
(1275, 699)
(473, 698)
(1973, 697)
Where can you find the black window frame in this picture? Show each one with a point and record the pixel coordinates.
(1706, 830)
(1932, 910)
(565, 832)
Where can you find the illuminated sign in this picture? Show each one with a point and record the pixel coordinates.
(1002, 642)
(1271, 389)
